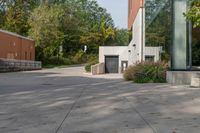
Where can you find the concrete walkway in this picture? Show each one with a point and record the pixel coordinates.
(68, 101)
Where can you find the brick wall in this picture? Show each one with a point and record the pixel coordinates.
(16, 47)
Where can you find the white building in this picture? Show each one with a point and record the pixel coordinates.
(117, 58)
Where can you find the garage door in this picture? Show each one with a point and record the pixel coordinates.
(111, 64)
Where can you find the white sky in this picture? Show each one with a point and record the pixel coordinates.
(118, 10)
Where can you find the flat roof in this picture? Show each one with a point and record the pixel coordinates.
(14, 34)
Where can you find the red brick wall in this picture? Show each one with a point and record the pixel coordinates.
(28, 50)
(133, 8)
(14, 47)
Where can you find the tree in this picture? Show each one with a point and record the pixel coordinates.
(16, 14)
(52, 23)
(121, 37)
(158, 25)
(45, 23)
(104, 36)
(193, 13)
(90, 22)
(107, 32)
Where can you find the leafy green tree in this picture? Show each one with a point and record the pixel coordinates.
(94, 39)
(52, 23)
(193, 13)
(107, 32)
(2, 18)
(45, 29)
(88, 18)
(16, 14)
(121, 37)
(158, 25)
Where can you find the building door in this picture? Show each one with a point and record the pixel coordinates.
(111, 64)
(124, 66)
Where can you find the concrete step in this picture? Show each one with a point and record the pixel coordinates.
(195, 80)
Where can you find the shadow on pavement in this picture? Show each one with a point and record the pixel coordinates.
(46, 103)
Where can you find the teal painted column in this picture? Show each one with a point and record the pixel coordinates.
(181, 37)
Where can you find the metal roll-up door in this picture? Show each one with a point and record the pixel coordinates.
(111, 64)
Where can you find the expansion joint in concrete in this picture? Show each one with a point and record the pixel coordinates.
(68, 113)
(141, 116)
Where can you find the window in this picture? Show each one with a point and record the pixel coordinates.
(149, 58)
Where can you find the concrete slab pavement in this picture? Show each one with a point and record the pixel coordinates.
(66, 101)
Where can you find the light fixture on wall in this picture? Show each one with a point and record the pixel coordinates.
(134, 45)
(129, 51)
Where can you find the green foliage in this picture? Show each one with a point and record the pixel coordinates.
(107, 32)
(158, 29)
(45, 29)
(15, 15)
(196, 52)
(102, 36)
(88, 67)
(92, 60)
(54, 23)
(45, 24)
(147, 72)
(57, 60)
(79, 57)
(121, 37)
(193, 13)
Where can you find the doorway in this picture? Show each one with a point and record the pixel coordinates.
(112, 64)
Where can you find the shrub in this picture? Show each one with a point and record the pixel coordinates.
(92, 58)
(79, 57)
(56, 60)
(88, 65)
(147, 72)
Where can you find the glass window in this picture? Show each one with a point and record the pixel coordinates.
(166, 26)
(158, 25)
(149, 58)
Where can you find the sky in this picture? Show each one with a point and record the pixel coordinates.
(118, 10)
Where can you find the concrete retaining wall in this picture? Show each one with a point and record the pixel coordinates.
(181, 77)
(98, 69)
(8, 65)
(195, 80)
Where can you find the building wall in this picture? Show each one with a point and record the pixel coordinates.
(13, 46)
(125, 55)
(134, 6)
(121, 51)
(137, 43)
(153, 51)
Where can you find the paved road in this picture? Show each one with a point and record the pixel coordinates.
(68, 101)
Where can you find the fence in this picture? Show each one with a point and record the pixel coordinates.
(18, 65)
